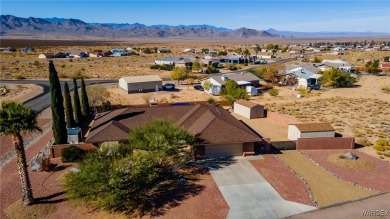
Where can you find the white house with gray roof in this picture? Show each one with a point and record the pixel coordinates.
(307, 74)
(243, 79)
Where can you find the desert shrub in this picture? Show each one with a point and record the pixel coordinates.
(273, 92)
(166, 67)
(231, 66)
(387, 148)
(155, 66)
(379, 153)
(19, 77)
(386, 89)
(213, 102)
(382, 142)
(146, 97)
(72, 154)
(381, 157)
(211, 69)
(268, 86)
(387, 154)
(378, 148)
(341, 156)
(364, 142)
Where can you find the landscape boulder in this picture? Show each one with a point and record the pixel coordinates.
(351, 156)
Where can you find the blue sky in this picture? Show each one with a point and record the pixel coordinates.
(309, 15)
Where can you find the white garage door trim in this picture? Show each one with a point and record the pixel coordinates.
(223, 150)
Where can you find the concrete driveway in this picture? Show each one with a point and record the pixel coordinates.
(249, 195)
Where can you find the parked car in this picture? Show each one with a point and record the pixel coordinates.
(168, 86)
(198, 87)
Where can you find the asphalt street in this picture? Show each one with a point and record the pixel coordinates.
(42, 101)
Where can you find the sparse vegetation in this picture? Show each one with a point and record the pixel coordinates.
(273, 92)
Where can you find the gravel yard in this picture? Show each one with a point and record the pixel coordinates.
(376, 178)
(284, 181)
(327, 189)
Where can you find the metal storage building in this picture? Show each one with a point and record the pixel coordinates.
(311, 130)
(145, 83)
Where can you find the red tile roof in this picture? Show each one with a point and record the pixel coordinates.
(210, 124)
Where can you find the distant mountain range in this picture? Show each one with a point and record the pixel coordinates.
(323, 33)
(62, 27)
(36, 27)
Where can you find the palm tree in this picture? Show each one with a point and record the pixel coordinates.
(246, 55)
(15, 118)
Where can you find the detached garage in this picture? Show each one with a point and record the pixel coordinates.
(310, 130)
(145, 83)
(248, 109)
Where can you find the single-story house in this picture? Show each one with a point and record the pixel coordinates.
(203, 121)
(187, 63)
(27, 49)
(188, 51)
(306, 74)
(337, 63)
(265, 55)
(145, 83)
(118, 50)
(97, 55)
(167, 60)
(310, 130)
(211, 52)
(46, 56)
(385, 67)
(236, 59)
(248, 109)
(243, 79)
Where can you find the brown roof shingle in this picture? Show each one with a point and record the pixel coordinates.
(246, 103)
(208, 123)
(314, 127)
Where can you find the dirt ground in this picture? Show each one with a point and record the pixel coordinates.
(184, 93)
(21, 92)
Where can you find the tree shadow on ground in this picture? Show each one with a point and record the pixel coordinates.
(51, 199)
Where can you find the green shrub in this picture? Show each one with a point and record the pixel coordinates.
(378, 148)
(155, 66)
(382, 142)
(213, 102)
(72, 154)
(166, 67)
(379, 153)
(341, 156)
(19, 77)
(273, 92)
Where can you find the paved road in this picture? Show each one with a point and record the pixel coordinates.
(249, 195)
(42, 101)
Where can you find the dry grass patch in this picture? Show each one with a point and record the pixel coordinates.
(18, 211)
(359, 164)
(326, 188)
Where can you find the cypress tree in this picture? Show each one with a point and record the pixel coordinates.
(57, 107)
(68, 108)
(84, 100)
(78, 116)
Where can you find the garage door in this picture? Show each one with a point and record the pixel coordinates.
(223, 150)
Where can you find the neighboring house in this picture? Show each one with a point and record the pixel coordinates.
(145, 83)
(46, 56)
(187, 63)
(265, 55)
(310, 130)
(248, 109)
(337, 63)
(385, 67)
(236, 59)
(307, 74)
(118, 50)
(211, 52)
(188, 51)
(27, 49)
(167, 60)
(202, 121)
(339, 48)
(242, 79)
(97, 55)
